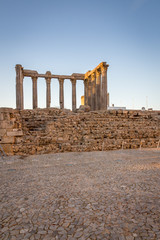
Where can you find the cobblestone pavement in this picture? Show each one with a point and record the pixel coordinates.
(95, 195)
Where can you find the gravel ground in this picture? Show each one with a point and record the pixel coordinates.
(88, 195)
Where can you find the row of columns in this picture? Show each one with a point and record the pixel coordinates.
(19, 90)
(95, 87)
(95, 92)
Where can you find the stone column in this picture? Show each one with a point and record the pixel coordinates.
(48, 89)
(93, 91)
(73, 94)
(19, 87)
(107, 96)
(104, 88)
(85, 92)
(89, 91)
(34, 91)
(107, 99)
(61, 93)
(98, 89)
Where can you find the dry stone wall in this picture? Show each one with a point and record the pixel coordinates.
(54, 130)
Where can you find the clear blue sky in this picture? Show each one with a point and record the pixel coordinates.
(66, 36)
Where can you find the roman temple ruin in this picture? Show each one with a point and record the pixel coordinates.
(38, 131)
(95, 87)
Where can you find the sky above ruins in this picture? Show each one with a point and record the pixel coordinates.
(66, 37)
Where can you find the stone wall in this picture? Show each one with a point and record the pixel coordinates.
(54, 130)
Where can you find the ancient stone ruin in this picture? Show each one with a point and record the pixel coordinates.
(95, 87)
(47, 130)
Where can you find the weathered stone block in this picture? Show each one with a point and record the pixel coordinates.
(2, 132)
(6, 110)
(3, 125)
(84, 108)
(7, 139)
(15, 133)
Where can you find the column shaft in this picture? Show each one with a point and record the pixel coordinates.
(48, 93)
(89, 91)
(73, 94)
(48, 89)
(61, 93)
(93, 91)
(19, 87)
(104, 88)
(34, 91)
(85, 92)
(107, 99)
(98, 90)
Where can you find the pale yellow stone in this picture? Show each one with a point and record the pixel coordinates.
(82, 100)
(15, 133)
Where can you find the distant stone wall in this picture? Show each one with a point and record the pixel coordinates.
(54, 130)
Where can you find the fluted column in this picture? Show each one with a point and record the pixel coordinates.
(85, 92)
(48, 89)
(73, 94)
(89, 91)
(104, 88)
(98, 89)
(61, 93)
(93, 91)
(34, 91)
(19, 87)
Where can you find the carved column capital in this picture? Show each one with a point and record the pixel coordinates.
(48, 77)
(73, 81)
(18, 66)
(34, 78)
(93, 76)
(98, 72)
(104, 69)
(61, 80)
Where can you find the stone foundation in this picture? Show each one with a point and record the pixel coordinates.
(54, 130)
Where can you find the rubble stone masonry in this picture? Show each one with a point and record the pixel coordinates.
(37, 131)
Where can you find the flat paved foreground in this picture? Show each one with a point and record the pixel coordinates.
(95, 195)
